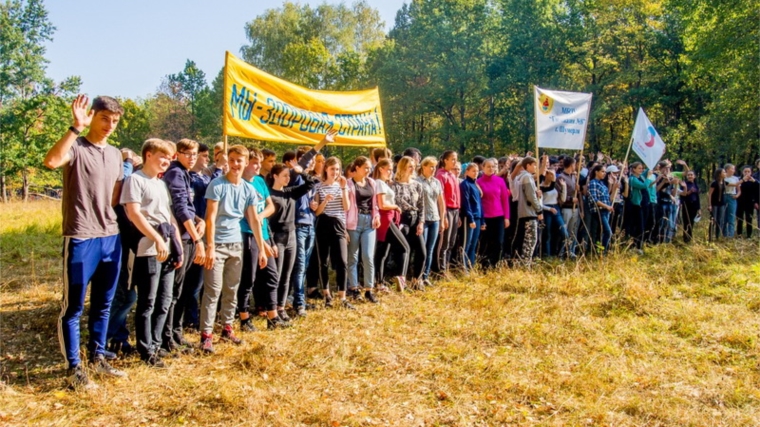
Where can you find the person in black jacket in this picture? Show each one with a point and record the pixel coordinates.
(191, 228)
(748, 201)
(282, 223)
(690, 204)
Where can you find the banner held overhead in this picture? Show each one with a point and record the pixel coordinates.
(561, 118)
(260, 106)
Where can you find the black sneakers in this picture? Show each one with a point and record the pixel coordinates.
(369, 296)
(154, 361)
(283, 315)
(247, 326)
(277, 323)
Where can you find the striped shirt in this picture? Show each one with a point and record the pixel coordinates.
(334, 208)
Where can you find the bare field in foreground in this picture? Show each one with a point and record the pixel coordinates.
(667, 338)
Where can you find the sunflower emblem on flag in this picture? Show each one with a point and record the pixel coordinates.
(545, 103)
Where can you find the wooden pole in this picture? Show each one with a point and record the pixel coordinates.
(225, 145)
(535, 126)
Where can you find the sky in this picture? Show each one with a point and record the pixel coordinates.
(125, 48)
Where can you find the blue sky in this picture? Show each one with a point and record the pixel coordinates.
(124, 48)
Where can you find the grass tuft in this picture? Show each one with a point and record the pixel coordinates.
(665, 338)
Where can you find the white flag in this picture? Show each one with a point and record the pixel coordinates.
(646, 141)
(561, 118)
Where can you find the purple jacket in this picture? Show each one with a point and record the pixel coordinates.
(352, 216)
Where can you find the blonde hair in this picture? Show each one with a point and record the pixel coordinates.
(427, 161)
(239, 150)
(153, 145)
(219, 146)
(186, 144)
(255, 153)
(401, 168)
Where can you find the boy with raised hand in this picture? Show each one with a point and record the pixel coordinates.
(191, 228)
(147, 203)
(230, 201)
(92, 177)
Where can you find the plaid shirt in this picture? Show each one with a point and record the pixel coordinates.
(598, 193)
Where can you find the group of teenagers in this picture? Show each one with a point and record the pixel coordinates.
(252, 235)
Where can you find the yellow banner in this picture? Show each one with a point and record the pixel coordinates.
(260, 106)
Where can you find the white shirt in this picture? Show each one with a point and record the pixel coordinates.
(733, 180)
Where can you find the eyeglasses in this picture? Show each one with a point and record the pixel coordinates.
(188, 154)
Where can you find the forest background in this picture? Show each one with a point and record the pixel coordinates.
(452, 74)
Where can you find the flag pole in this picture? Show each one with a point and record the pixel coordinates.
(224, 99)
(535, 128)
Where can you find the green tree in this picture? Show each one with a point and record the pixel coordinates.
(134, 125)
(321, 48)
(433, 71)
(189, 87)
(33, 110)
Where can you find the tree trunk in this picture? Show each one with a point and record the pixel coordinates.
(25, 185)
(3, 190)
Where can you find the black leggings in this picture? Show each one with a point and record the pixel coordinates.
(331, 246)
(492, 241)
(262, 281)
(393, 239)
(744, 219)
(416, 244)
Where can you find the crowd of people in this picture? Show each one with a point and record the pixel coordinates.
(200, 245)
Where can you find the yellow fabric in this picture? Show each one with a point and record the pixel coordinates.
(260, 106)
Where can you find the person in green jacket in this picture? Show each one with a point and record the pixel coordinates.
(637, 203)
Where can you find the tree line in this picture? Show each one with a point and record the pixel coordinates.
(452, 74)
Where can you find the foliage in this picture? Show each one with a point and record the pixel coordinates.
(320, 48)
(33, 109)
(452, 74)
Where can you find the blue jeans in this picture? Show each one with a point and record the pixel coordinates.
(719, 220)
(606, 229)
(430, 234)
(363, 237)
(305, 238)
(472, 235)
(729, 225)
(554, 223)
(667, 226)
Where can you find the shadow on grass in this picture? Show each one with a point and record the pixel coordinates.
(30, 348)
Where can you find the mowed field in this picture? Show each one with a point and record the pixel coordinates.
(668, 338)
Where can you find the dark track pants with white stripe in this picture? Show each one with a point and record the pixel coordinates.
(95, 262)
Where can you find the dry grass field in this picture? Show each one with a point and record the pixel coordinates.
(668, 338)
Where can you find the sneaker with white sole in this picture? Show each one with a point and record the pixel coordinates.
(100, 366)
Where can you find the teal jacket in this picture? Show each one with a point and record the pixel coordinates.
(637, 185)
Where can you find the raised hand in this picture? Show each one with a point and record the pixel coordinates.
(329, 137)
(342, 182)
(82, 118)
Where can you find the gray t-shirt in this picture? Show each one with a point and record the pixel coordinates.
(155, 205)
(233, 200)
(88, 182)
